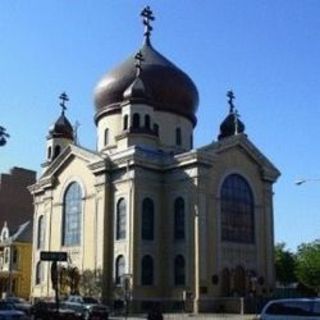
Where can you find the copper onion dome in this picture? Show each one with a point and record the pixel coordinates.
(169, 88)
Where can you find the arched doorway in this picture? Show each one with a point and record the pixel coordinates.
(225, 283)
(239, 281)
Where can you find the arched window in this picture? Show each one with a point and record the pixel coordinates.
(120, 268)
(237, 210)
(106, 136)
(49, 153)
(178, 137)
(179, 271)
(57, 150)
(156, 129)
(136, 120)
(147, 224)
(72, 214)
(40, 235)
(179, 216)
(125, 122)
(15, 256)
(39, 272)
(147, 121)
(147, 271)
(6, 255)
(121, 220)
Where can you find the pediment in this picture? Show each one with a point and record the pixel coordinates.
(68, 154)
(241, 142)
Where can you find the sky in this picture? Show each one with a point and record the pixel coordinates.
(266, 51)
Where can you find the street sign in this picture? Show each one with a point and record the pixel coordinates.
(53, 256)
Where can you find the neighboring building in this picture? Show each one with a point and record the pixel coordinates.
(15, 260)
(146, 204)
(16, 204)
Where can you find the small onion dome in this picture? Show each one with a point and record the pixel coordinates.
(136, 92)
(170, 88)
(62, 128)
(231, 126)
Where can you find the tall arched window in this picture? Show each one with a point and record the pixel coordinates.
(121, 220)
(49, 153)
(106, 136)
(41, 233)
(156, 129)
(120, 268)
(125, 122)
(237, 210)
(39, 273)
(147, 223)
(72, 214)
(178, 137)
(179, 216)
(147, 271)
(136, 120)
(179, 271)
(147, 121)
(57, 150)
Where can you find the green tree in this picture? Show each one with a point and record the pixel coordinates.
(285, 264)
(308, 265)
(3, 136)
(91, 283)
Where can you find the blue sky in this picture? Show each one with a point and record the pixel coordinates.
(267, 51)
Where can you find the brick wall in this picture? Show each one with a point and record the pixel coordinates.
(16, 205)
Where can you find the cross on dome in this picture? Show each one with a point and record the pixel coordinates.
(139, 58)
(64, 98)
(148, 16)
(231, 97)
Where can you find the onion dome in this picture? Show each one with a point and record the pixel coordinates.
(170, 89)
(62, 128)
(231, 125)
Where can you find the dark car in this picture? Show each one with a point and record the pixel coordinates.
(48, 311)
(19, 304)
(89, 307)
(8, 312)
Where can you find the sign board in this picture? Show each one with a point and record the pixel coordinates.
(53, 256)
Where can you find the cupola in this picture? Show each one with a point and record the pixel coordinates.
(231, 125)
(169, 87)
(61, 133)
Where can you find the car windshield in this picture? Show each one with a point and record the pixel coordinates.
(16, 300)
(89, 300)
(6, 306)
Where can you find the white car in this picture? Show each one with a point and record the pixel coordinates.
(291, 309)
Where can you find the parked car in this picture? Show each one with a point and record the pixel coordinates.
(42, 310)
(295, 309)
(19, 304)
(8, 312)
(89, 307)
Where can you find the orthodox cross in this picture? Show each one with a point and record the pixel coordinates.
(148, 16)
(139, 59)
(231, 97)
(63, 97)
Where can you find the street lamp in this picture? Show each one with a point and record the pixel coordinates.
(302, 181)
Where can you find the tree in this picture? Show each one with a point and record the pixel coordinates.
(3, 136)
(308, 265)
(285, 264)
(91, 283)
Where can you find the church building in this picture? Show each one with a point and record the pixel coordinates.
(176, 221)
